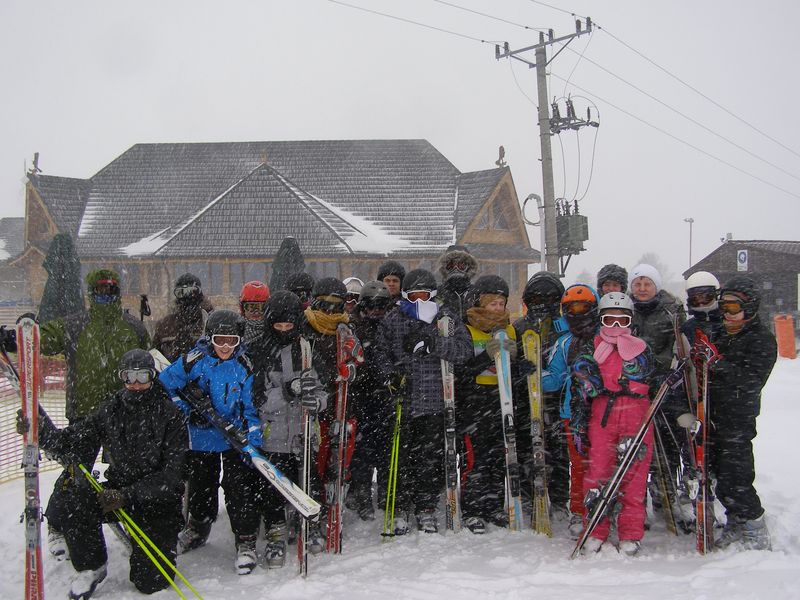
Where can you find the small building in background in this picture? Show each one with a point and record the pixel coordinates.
(15, 297)
(773, 264)
(221, 210)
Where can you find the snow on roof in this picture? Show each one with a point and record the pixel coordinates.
(147, 245)
(3, 253)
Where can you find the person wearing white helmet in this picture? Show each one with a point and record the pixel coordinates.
(353, 286)
(702, 293)
(613, 384)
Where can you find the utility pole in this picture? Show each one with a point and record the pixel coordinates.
(690, 221)
(551, 249)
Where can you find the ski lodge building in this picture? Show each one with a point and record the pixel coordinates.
(221, 210)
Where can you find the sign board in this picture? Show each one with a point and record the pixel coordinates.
(741, 260)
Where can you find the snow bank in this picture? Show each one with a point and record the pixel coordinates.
(499, 565)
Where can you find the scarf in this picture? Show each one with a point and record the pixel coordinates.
(485, 320)
(323, 322)
(628, 346)
(421, 310)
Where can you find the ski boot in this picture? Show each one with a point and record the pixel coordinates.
(246, 557)
(194, 535)
(85, 583)
(57, 545)
(476, 525)
(592, 546)
(400, 526)
(426, 521)
(275, 550)
(630, 547)
(755, 535)
(316, 539)
(575, 527)
(731, 533)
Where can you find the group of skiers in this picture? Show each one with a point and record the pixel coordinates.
(604, 353)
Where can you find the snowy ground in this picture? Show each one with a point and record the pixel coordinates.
(497, 565)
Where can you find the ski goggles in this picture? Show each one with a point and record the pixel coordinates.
(543, 299)
(375, 303)
(732, 307)
(577, 308)
(254, 307)
(131, 376)
(351, 297)
(106, 287)
(701, 299)
(414, 295)
(616, 320)
(329, 304)
(186, 291)
(231, 341)
(456, 266)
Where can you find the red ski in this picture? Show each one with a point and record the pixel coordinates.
(28, 353)
(341, 434)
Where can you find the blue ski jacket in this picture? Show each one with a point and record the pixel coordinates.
(228, 383)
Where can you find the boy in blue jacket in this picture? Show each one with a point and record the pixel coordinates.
(220, 367)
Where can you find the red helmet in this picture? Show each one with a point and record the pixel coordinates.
(253, 291)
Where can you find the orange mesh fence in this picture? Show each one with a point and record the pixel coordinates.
(53, 372)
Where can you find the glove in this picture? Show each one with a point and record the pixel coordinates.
(493, 347)
(197, 419)
(308, 392)
(418, 342)
(22, 425)
(525, 368)
(8, 339)
(111, 500)
(396, 383)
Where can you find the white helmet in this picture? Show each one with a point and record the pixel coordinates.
(353, 285)
(615, 300)
(702, 279)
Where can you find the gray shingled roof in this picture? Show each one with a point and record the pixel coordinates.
(12, 237)
(65, 198)
(473, 189)
(780, 246)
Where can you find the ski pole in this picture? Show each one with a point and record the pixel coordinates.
(140, 537)
(391, 487)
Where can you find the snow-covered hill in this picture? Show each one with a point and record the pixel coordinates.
(497, 565)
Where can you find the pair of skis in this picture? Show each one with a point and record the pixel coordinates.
(27, 382)
(607, 495)
(349, 354)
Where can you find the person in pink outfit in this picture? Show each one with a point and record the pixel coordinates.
(614, 387)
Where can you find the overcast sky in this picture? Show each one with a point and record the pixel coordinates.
(83, 81)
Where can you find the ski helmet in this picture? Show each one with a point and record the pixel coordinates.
(254, 291)
(612, 272)
(490, 284)
(701, 279)
(353, 285)
(616, 300)
(137, 359)
(419, 279)
(375, 289)
(746, 290)
(224, 322)
(299, 281)
(329, 286)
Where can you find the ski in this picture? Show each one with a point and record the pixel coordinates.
(196, 398)
(665, 480)
(704, 354)
(305, 466)
(606, 496)
(28, 356)
(349, 354)
(540, 503)
(502, 361)
(451, 466)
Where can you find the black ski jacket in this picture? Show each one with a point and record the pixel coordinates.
(144, 441)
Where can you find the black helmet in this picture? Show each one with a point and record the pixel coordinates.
(746, 289)
(299, 281)
(375, 289)
(391, 267)
(612, 272)
(137, 359)
(419, 279)
(490, 284)
(543, 283)
(329, 286)
(224, 322)
(283, 307)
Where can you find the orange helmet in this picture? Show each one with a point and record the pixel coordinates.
(578, 299)
(253, 291)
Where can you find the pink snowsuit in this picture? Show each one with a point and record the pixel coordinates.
(624, 420)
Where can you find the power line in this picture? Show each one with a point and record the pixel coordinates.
(404, 20)
(684, 115)
(568, 12)
(577, 62)
(488, 16)
(682, 141)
